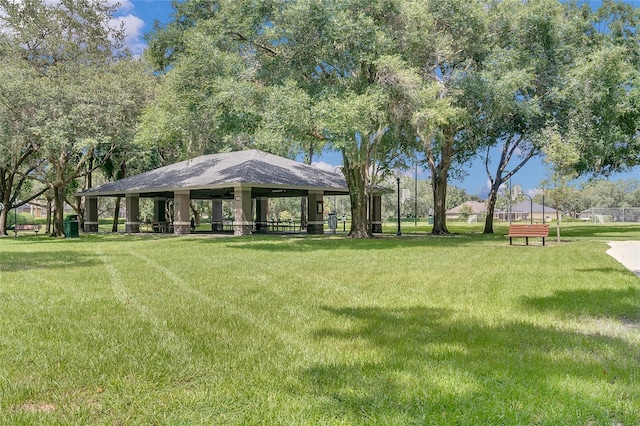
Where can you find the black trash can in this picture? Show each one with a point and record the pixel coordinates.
(71, 226)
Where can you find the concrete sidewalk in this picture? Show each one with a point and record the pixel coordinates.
(627, 253)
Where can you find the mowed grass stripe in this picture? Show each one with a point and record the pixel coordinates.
(163, 334)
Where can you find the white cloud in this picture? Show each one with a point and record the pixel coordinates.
(325, 166)
(125, 5)
(134, 37)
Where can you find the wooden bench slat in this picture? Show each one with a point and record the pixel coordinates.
(34, 228)
(528, 230)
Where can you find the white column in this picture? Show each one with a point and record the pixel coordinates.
(132, 222)
(181, 211)
(242, 225)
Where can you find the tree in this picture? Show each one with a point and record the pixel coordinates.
(87, 103)
(561, 155)
(445, 43)
(516, 94)
(606, 85)
(355, 124)
(18, 106)
(279, 76)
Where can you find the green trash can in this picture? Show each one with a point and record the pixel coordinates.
(71, 226)
(430, 220)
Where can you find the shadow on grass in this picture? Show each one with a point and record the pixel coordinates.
(620, 304)
(385, 242)
(23, 260)
(428, 366)
(599, 230)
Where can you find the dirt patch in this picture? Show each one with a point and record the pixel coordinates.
(40, 407)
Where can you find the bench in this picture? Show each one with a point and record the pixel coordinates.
(527, 230)
(34, 228)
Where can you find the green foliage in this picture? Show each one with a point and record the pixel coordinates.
(87, 89)
(466, 211)
(22, 219)
(371, 79)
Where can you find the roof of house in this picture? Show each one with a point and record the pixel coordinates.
(213, 175)
(525, 206)
(476, 207)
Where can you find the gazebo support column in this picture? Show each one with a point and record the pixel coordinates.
(262, 208)
(216, 215)
(376, 217)
(91, 214)
(242, 224)
(315, 222)
(132, 222)
(181, 206)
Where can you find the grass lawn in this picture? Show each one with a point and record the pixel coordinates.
(464, 329)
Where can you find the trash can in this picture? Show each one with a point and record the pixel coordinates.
(430, 220)
(71, 226)
(333, 222)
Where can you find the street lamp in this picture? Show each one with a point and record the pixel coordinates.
(509, 194)
(531, 210)
(415, 205)
(398, 174)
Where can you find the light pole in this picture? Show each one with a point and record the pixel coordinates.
(415, 205)
(509, 194)
(531, 210)
(398, 174)
(510, 199)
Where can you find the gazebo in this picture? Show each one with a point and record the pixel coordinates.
(246, 177)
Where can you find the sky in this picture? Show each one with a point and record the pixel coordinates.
(139, 16)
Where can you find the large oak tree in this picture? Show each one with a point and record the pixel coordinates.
(89, 90)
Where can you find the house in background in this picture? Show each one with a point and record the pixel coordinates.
(34, 209)
(38, 209)
(469, 211)
(523, 211)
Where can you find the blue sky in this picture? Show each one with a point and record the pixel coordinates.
(139, 15)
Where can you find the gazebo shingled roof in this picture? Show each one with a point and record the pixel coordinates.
(215, 175)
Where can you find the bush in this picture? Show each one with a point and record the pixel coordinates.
(23, 219)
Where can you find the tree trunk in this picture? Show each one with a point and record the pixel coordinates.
(557, 224)
(196, 214)
(116, 215)
(355, 176)
(3, 221)
(49, 209)
(3, 214)
(58, 218)
(440, 177)
(491, 207)
(439, 203)
(359, 218)
(6, 185)
(303, 200)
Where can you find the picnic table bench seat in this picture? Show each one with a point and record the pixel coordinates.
(523, 230)
(34, 228)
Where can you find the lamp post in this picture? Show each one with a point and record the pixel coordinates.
(531, 210)
(509, 194)
(398, 174)
(415, 205)
(510, 199)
